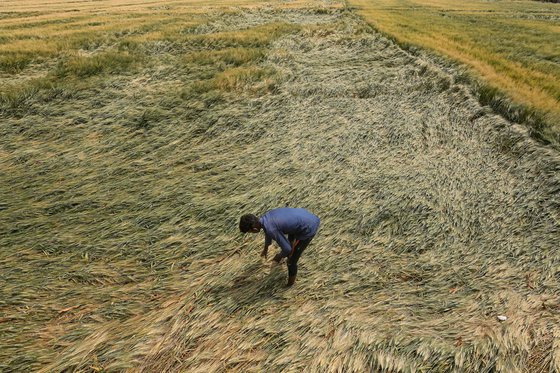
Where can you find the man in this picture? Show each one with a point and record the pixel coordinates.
(299, 224)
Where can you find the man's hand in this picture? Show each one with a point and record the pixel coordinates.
(278, 258)
(265, 252)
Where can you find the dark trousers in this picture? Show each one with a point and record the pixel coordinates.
(296, 253)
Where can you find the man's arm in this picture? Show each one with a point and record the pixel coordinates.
(267, 242)
(284, 245)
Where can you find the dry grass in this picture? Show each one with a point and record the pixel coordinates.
(123, 179)
(229, 56)
(511, 45)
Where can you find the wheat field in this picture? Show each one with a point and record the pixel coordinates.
(128, 154)
(510, 47)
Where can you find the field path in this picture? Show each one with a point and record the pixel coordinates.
(437, 216)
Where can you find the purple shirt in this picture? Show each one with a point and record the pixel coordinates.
(299, 223)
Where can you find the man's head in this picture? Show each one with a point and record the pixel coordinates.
(249, 223)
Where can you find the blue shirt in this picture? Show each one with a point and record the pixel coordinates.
(299, 223)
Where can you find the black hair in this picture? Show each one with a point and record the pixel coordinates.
(248, 222)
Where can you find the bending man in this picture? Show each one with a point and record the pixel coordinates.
(299, 225)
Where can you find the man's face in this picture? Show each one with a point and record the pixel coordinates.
(255, 230)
